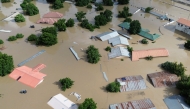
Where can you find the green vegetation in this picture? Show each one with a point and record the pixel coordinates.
(187, 44)
(128, 20)
(51, 30)
(19, 36)
(149, 58)
(6, 64)
(99, 7)
(125, 13)
(87, 25)
(135, 27)
(47, 39)
(108, 48)
(113, 87)
(52, 1)
(89, 6)
(19, 18)
(57, 4)
(122, 2)
(82, 2)
(148, 9)
(5, 1)
(31, 9)
(122, 59)
(130, 49)
(32, 37)
(60, 24)
(70, 23)
(88, 104)
(103, 18)
(1, 41)
(108, 2)
(93, 54)
(144, 41)
(174, 67)
(66, 83)
(24, 4)
(80, 15)
(12, 38)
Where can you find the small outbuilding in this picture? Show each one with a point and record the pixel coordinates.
(119, 52)
(163, 79)
(130, 83)
(119, 41)
(61, 102)
(53, 15)
(107, 35)
(47, 21)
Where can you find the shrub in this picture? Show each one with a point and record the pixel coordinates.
(108, 48)
(1, 41)
(6, 64)
(31, 9)
(125, 13)
(128, 20)
(57, 4)
(19, 36)
(87, 25)
(82, 2)
(51, 30)
(148, 9)
(99, 7)
(19, 18)
(89, 6)
(130, 49)
(113, 87)
(187, 44)
(60, 24)
(32, 37)
(144, 41)
(12, 38)
(122, 2)
(149, 58)
(122, 59)
(80, 16)
(88, 104)
(70, 23)
(46, 39)
(5, 1)
(135, 27)
(108, 2)
(174, 67)
(66, 83)
(93, 55)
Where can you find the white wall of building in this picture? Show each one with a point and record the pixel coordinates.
(183, 28)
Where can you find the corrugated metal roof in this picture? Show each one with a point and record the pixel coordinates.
(119, 51)
(136, 54)
(119, 40)
(107, 35)
(145, 33)
(137, 104)
(125, 25)
(130, 83)
(163, 79)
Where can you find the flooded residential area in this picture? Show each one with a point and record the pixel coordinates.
(89, 80)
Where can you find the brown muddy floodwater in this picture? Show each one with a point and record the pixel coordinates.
(89, 81)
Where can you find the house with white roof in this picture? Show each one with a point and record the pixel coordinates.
(61, 102)
(183, 25)
(119, 41)
(107, 35)
(119, 52)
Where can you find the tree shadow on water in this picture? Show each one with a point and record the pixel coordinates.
(104, 88)
(58, 84)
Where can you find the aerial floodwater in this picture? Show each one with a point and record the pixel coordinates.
(89, 80)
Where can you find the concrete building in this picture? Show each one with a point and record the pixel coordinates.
(183, 25)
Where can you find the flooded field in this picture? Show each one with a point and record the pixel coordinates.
(89, 81)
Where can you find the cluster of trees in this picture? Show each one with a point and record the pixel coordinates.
(128, 20)
(19, 18)
(13, 38)
(108, 2)
(93, 54)
(103, 18)
(89, 6)
(108, 48)
(88, 104)
(125, 13)
(66, 83)
(135, 27)
(113, 87)
(1, 41)
(148, 9)
(87, 25)
(187, 44)
(32, 37)
(80, 16)
(82, 2)
(144, 41)
(5, 1)
(29, 8)
(57, 4)
(99, 7)
(6, 64)
(61, 25)
(122, 2)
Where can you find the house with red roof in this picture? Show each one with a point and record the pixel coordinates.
(29, 76)
(183, 25)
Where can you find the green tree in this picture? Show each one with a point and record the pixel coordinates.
(113, 87)
(108, 14)
(51, 30)
(122, 2)
(82, 2)
(6, 64)
(128, 20)
(47, 39)
(108, 48)
(5, 1)
(1, 41)
(31, 9)
(80, 15)
(12, 38)
(108, 2)
(93, 55)
(144, 41)
(32, 37)
(57, 4)
(148, 9)
(88, 104)
(87, 25)
(187, 44)
(19, 36)
(135, 27)
(19, 18)
(100, 7)
(66, 83)
(52, 1)
(130, 49)
(60, 24)
(125, 13)
(24, 4)
(89, 6)
(100, 20)
(70, 23)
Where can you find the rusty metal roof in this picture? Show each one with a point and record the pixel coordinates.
(130, 83)
(163, 79)
(137, 104)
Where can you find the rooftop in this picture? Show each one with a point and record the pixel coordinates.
(53, 15)
(107, 35)
(119, 51)
(184, 21)
(47, 21)
(119, 40)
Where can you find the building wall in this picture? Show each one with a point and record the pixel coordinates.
(183, 28)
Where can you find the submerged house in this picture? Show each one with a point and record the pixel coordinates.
(29, 76)
(107, 35)
(136, 104)
(183, 25)
(163, 79)
(53, 15)
(119, 41)
(130, 83)
(61, 102)
(47, 21)
(119, 52)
